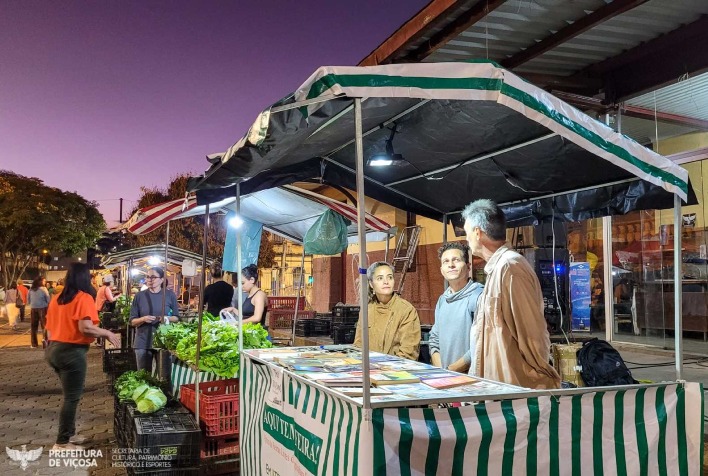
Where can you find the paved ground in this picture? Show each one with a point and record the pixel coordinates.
(30, 398)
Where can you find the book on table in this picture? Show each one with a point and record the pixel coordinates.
(449, 382)
(393, 378)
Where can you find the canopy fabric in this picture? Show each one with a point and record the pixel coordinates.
(288, 212)
(175, 256)
(466, 131)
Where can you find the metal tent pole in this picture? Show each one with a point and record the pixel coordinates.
(297, 299)
(200, 312)
(363, 280)
(444, 238)
(239, 303)
(164, 282)
(678, 289)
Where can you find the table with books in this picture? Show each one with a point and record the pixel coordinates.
(302, 413)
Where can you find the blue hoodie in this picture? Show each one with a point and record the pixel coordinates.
(454, 313)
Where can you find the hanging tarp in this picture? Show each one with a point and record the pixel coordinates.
(465, 131)
(250, 244)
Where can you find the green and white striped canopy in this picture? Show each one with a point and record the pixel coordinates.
(466, 131)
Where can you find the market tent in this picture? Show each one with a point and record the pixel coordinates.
(141, 256)
(463, 131)
(458, 132)
(285, 211)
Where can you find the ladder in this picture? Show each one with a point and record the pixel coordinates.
(405, 254)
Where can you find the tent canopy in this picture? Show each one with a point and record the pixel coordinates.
(285, 211)
(465, 131)
(142, 255)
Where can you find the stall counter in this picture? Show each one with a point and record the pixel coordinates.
(291, 425)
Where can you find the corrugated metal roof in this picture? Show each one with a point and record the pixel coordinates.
(688, 97)
(518, 24)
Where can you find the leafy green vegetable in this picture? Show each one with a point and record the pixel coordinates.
(127, 383)
(142, 388)
(219, 347)
(151, 400)
(167, 337)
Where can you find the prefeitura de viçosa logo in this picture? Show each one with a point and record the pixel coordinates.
(23, 457)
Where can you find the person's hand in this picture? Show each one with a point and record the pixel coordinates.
(113, 339)
(149, 319)
(232, 310)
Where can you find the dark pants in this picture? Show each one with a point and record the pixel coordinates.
(69, 362)
(22, 312)
(144, 358)
(39, 316)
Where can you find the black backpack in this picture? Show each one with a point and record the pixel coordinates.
(601, 365)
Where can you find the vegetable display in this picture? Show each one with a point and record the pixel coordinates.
(140, 386)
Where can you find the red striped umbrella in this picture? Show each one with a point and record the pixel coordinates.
(150, 218)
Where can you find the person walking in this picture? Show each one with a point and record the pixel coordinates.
(13, 313)
(146, 314)
(22, 289)
(38, 300)
(71, 326)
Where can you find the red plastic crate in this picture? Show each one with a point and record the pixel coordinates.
(218, 405)
(283, 318)
(221, 446)
(285, 302)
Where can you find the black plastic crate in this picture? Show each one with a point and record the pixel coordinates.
(312, 327)
(119, 360)
(112, 321)
(131, 412)
(345, 320)
(120, 420)
(345, 311)
(174, 438)
(343, 334)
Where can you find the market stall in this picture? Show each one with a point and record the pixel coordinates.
(293, 424)
(463, 131)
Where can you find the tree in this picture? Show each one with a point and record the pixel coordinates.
(186, 233)
(34, 217)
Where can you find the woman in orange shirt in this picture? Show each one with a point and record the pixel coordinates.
(71, 327)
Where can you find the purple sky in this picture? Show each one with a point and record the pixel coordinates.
(103, 97)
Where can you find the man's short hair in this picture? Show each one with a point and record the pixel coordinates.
(456, 245)
(486, 215)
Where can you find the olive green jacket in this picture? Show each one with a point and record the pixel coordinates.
(394, 328)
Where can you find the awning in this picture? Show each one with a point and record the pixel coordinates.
(466, 131)
(141, 256)
(285, 211)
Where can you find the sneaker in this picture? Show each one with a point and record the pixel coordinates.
(77, 439)
(66, 446)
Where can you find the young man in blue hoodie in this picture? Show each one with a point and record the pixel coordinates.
(450, 336)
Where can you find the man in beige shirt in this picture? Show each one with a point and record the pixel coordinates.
(512, 344)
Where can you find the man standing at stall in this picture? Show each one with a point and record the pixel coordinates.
(450, 336)
(512, 344)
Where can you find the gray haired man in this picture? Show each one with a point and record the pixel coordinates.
(509, 330)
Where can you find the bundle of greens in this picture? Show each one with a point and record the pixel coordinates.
(219, 347)
(142, 388)
(167, 337)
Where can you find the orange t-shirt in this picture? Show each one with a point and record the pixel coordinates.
(63, 319)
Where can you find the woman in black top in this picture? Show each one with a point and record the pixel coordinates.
(255, 305)
(217, 296)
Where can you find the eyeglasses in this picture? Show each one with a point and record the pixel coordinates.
(152, 277)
